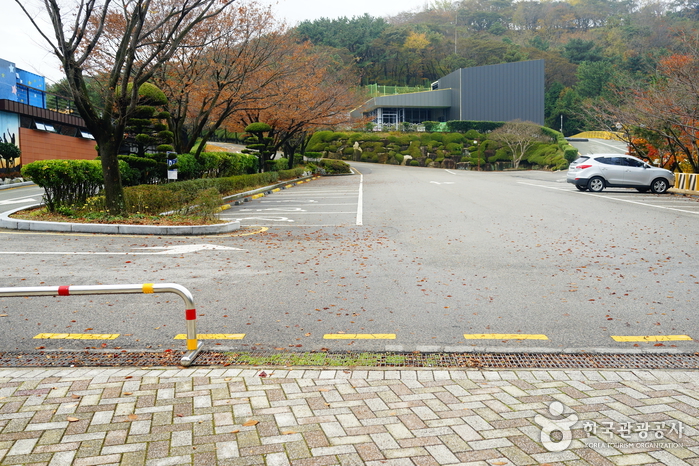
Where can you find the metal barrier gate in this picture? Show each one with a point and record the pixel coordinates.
(193, 346)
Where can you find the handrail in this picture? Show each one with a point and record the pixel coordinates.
(193, 346)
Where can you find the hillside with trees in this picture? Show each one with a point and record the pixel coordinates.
(591, 47)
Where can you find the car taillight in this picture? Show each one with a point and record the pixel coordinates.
(580, 167)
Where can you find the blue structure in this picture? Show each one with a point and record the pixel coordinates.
(21, 86)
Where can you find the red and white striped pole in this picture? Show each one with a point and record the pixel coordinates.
(193, 346)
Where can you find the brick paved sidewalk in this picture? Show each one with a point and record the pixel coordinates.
(90, 416)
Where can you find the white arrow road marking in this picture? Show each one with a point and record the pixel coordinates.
(184, 249)
(443, 182)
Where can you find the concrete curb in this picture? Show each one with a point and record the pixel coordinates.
(107, 228)
(15, 185)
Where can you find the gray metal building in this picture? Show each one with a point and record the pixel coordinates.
(506, 92)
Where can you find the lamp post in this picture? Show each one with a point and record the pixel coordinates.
(561, 123)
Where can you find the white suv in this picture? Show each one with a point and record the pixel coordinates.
(597, 171)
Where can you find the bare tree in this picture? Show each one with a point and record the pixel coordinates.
(518, 136)
(124, 42)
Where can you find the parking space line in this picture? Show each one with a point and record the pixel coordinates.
(632, 338)
(359, 336)
(605, 196)
(213, 336)
(504, 336)
(360, 201)
(78, 336)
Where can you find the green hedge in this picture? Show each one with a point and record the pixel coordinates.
(71, 183)
(155, 199)
(461, 126)
(66, 183)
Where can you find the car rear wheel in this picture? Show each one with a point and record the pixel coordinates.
(581, 187)
(659, 186)
(596, 184)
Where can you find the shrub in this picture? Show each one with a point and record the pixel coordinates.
(472, 134)
(205, 205)
(452, 138)
(334, 167)
(147, 169)
(414, 163)
(429, 125)
(278, 164)
(455, 148)
(151, 199)
(66, 183)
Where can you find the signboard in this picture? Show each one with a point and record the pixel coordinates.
(171, 172)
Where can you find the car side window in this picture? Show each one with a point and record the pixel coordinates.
(632, 162)
(605, 160)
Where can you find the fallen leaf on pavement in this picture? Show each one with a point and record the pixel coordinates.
(251, 422)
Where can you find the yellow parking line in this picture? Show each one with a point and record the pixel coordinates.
(629, 338)
(77, 336)
(359, 336)
(504, 336)
(213, 336)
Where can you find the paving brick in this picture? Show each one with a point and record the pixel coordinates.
(330, 417)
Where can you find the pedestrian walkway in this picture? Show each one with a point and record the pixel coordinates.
(243, 416)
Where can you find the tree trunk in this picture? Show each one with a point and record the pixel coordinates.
(113, 190)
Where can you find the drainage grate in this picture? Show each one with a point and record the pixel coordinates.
(378, 360)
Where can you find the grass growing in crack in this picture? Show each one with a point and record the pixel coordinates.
(318, 359)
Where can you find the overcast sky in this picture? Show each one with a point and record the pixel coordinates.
(21, 44)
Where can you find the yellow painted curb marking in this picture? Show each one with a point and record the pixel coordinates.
(504, 336)
(652, 338)
(276, 190)
(77, 336)
(359, 336)
(213, 336)
(147, 288)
